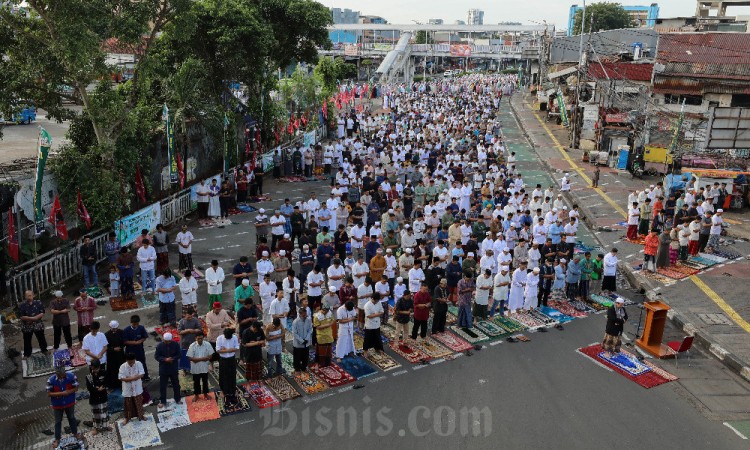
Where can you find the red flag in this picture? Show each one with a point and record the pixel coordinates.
(304, 120)
(248, 147)
(140, 187)
(290, 128)
(325, 109)
(180, 170)
(13, 249)
(82, 212)
(57, 220)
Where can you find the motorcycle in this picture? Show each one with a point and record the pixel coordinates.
(637, 171)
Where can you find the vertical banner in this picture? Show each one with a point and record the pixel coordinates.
(171, 160)
(45, 142)
(563, 110)
(520, 77)
(226, 127)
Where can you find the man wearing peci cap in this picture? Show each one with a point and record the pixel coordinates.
(61, 389)
(168, 355)
(214, 280)
(60, 307)
(323, 322)
(277, 222)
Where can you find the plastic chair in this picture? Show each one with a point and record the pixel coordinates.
(682, 346)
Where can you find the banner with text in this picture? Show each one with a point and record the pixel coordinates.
(462, 50)
(129, 227)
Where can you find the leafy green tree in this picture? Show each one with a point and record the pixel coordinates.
(606, 16)
(422, 37)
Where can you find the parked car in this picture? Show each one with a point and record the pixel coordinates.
(448, 73)
(24, 116)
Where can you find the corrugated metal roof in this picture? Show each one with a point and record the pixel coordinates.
(622, 71)
(704, 48)
(688, 86)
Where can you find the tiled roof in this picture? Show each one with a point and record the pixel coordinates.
(621, 71)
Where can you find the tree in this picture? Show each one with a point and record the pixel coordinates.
(422, 37)
(607, 16)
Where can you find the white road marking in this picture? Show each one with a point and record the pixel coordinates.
(735, 430)
(346, 388)
(378, 379)
(421, 366)
(207, 433)
(245, 422)
(400, 372)
(495, 343)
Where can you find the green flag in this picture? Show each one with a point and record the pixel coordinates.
(171, 159)
(563, 110)
(45, 142)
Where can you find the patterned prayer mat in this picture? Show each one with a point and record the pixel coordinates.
(102, 441)
(389, 332)
(452, 341)
(602, 300)
(357, 367)
(174, 415)
(640, 240)
(115, 402)
(451, 318)
(202, 410)
(670, 272)
(623, 362)
(508, 324)
(724, 252)
(491, 329)
(309, 382)
(78, 356)
(471, 335)
(94, 291)
(408, 351)
(282, 388)
(453, 310)
(186, 382)
(229, 406)
(260, 394)
(567, 309)
(122, 304)
(657, 277)
(707, 259)
(548, 321)
(61, 357)
(556, 315)
(694, 264)
(521, 338)
(614, 296)
(359, 342)
(138, 434)
(647, 379)
(659, 371)
(332, 375)
(432, 348)
(148, 300)
(287, 362)
(528, 320)
(382, 360)
(37, 365)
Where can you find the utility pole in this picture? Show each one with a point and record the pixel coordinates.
(582, 68)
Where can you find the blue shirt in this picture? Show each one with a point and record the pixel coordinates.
(165, 283)
(555, 232)
(134, 334)
(55, 384)
(573, 274)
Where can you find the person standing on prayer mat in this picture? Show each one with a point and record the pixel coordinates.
(616, 318)
(95, 346)
(97, 384)
(135, 335)
(115, 353)
(227, 346)
(165, 287)
(253, 340)
(302, 330)
(61, 389)
(168, 354)
(131, 374)
(60, 307)
(214, 203)
(373, 315)
(31, 313)
(402, 315)
(199, 354)
(161, 242)
(517, 288)
(466, 288)
(346, 315)
(422, 304)
(609, 282)
(85, 307)
(440, 299)
(323, 322)
(214, 280)
(662, 253)
(275, 344)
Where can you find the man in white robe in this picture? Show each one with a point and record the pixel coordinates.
(531, 290)
(517, 286)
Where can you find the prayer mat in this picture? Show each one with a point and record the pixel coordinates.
(689, 271)
(471, 335)
(657, 277)
(115, 402)
(259, 198)
(521, 338)
(332, 375)
(61, 357)
(389, 332)
(37, 365)
(382, 360)
(508, 324)
(102, 441)
(669, 272)
(228, 406)
(408, 351)
(451, 318)
(122, 304)
(693, 264)
(202, 410)
(186, 382)
(602, 300)
(168, 329)
(261, 395)
(647, 379)
(432, 348)
(567, 309)
(359, 342)
(139, 433)
(173, 415)
(640, 240)
(282, 388)
(659, 371)
(94, 291)
(620, 360)
(309, 382)
(627, 301)
(149, 300)
(453, 310)
(213, 377)
(548, 321)
(452, 341)
(703, 259)
(528, 320)
(491, 329)
(357, 367)
(78, 356)
(383, 338)
(717, 259)
(724, 252)
(597, 307)
(555, 315)
(287, 362)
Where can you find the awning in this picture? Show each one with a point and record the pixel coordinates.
(562, 73)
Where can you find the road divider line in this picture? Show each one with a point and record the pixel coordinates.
(736, 431)
(721, 303)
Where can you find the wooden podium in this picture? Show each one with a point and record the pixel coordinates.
(653, 330)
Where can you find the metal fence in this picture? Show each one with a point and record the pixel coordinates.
(62, 264)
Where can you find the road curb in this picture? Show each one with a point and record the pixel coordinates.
(702, 340)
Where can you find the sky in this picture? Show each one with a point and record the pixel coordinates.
(525, 11)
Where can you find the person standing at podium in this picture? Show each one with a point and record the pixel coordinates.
(616, 318)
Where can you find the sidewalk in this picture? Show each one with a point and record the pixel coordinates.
(716, 313)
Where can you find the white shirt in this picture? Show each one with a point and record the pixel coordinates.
(343, 313)
(223, 343)
(398, 290)
(267, 291)
(288, 287)
(334, 272)
(359, 233)
(501, 292)
(278, 307)
(372, 323)
(416, 277)
(188, 288)
(131, 388)
(360, 272)
(146, 256)
(716, 222)
(214, 278)
(610, 265)
(202, 191)
(95, 344)
(277, 224)
(482, 296)
(199, 351)
(390, 266)
(313, 277)
(185, 238)
(440, 253)
(264, 266)
(363, 290)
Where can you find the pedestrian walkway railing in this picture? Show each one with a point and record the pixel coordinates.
(51, 269)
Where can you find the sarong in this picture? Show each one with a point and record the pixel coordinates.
(611, 343)
(100, 414)
(133, 407)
